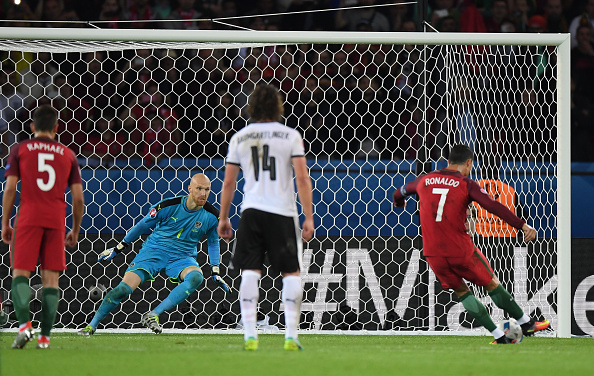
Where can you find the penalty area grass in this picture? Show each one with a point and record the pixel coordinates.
(105, 354)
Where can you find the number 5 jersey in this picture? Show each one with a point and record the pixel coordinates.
(46, 168)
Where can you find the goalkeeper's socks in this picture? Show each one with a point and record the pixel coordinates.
(191, 282)
(249, 294)
(49, 305)
(110, 302)
(477, 310)
(291, 296)
(504, 300)
(21, 298)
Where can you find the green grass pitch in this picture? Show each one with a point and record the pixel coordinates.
(212, 354)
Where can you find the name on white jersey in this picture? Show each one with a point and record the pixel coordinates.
(443, 181)
(46, 147)
(263, 135)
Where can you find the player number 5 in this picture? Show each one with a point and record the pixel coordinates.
(44, 167)
(444, 193)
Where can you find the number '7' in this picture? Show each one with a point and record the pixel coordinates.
(443, 192)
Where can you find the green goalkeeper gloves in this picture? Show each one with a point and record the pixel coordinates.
(218, 279)
(110, 253)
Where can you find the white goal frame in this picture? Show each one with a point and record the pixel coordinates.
(209, 37)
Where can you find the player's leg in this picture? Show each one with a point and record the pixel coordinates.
(53, 261)
(477, 310)
(189, 273)
(50, 297)
(248, 256)
(249, 294)
(24, 253)
(285, 255)
(450, 273)
(292, 295)
(483, 275)
(21, 298)
(503, 299)
(21, 295)
(131, 280)
(145, 265)
(191, 277)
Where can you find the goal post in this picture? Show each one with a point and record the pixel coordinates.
(354, 98)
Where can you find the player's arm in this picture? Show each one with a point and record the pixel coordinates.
(304, 191)
(214, 257)
(400, 194)
(78, 201)
(214, 248)
(481, 196)
(78, 210)
(225, 230)
(10, 188)
(147, 223)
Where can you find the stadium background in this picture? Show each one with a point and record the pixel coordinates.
(582, 177)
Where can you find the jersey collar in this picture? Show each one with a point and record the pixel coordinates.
(185, 206)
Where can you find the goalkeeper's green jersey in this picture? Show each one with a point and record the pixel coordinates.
(178, 230)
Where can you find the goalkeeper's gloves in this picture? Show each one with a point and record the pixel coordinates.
(218, 279)
(110, 253)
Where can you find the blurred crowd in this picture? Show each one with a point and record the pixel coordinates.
(145, 103)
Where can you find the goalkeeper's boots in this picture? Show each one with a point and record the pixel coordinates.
(293, 345)
(86, 331)
(24, 335)
(534, 326)
(503, 340)
(151, 321)
(250, 344)
(43, 342)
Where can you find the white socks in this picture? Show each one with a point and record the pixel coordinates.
(291, 296)
(249, 294)
(497, 333)
(523, 320)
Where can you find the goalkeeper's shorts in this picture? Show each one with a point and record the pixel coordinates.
(154, 262)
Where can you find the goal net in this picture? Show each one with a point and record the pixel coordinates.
(145, 109)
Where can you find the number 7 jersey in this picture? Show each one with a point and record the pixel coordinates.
(46, 168)
(444, 196)
(264, 152)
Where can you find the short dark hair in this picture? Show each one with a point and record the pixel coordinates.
(265, 103)
(45, 118)
(459, 154)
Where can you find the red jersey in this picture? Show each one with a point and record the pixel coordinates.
(46, 168)
(444, 196)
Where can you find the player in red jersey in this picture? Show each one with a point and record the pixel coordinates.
(46, 168)
(444, 196)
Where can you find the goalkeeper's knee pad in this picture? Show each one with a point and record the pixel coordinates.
(194, 279)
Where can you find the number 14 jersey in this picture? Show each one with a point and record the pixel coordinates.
(444, 196)
(264, 152)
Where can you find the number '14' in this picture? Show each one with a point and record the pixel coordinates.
(268, 163)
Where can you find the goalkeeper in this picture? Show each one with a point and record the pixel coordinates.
(178, 225)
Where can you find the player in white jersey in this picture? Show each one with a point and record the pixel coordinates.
(268, 152)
